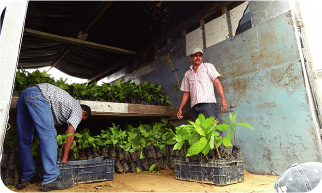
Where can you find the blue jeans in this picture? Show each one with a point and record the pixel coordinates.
(207, 109)
(33, 111)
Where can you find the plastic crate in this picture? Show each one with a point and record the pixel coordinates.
(87, 171)
(213, 171)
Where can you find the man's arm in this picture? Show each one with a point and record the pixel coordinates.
(184, 100)
(220, 91)
(68, 143)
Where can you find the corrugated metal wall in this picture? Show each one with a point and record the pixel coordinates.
(263, 81)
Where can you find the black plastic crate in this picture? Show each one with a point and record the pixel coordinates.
(213, 171)
(87, 171)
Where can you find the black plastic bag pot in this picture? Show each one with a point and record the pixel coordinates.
(95, 152)
(88, 153)
(236, 152)
(112, 152)
(126, 168)
(82, 155)
(71, 156)
(4, 158)
(158, 152)
(126, 155)
(103, 152)
(118, 166)
(132, 166)
(11, 159)
(120, 153)
(171, 162)
(133, 156)
(144, 165)
(6, 176)
(138, 164)
(149, 152)
(16, 176)
(170, 151)
(158, 163)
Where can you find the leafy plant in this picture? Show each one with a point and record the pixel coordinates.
(232, 127)
(201, 136)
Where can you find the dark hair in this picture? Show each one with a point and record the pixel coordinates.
(87, 109)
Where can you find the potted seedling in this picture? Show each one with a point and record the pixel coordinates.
(208, 151)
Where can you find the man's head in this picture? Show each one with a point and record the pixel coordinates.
(304, 177)
(196, 56)
(86, 112)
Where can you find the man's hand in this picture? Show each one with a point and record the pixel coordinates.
(68, 143)
(179, 114)
(223, 105)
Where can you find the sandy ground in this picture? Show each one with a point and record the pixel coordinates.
(165, 181)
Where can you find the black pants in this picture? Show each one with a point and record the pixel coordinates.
(207, 109)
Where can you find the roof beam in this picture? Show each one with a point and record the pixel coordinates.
(75, 41)
(98, 16)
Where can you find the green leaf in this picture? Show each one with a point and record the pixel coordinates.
(202, 118)
(232, 118)
(152, 167)
(178, 145)
(197, 147)
(198, 129)
(225, 121)
(229, 136)
(138, 170)
(226, 142)
(245, 125)
(222, 127)
(141, 155)
(113, 186)
(212, 141)
(206, 150)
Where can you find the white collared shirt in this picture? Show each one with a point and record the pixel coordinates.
(200, 84)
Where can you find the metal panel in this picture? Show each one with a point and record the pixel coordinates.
(194, 40)
(262, 11)
(236, 14)
(264, 83)
(10, 40)
(216, 31)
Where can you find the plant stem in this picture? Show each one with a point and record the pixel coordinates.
(217, 150)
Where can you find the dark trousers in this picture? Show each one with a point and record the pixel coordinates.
(207, 109)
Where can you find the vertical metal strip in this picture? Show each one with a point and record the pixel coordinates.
(311, 86)
(10, 42)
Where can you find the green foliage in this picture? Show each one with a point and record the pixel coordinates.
(231, 127)
(202, 135)
(131, 138)
(119, 91)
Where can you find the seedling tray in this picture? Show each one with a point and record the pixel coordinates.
(87, 171)
(213, 171)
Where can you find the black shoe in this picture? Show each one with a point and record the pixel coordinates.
(23, 184)
(58, 184)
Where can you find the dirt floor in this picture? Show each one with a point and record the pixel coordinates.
(165, 181)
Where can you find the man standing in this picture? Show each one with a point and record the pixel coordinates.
(198, 85)
(43, 106)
